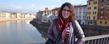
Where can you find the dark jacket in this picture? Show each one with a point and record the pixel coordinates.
(76, 37)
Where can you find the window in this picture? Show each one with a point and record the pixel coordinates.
(91, 22)
(101, 12)
(95, 2)
(89, 12)
(101, 7)
(101, 17)
(100, 22)
(89, 8)
(89, 3)
(88, 22)
(95, 7)
(89, 17)
(105, 22)
(94, 13)
(94, 17)
(80, 17)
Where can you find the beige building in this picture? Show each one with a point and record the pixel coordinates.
(4, 15)
(92, 12)
(13, 15)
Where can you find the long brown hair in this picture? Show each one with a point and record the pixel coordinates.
(61, 23)
(72, 15)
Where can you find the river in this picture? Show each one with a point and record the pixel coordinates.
(19, 32)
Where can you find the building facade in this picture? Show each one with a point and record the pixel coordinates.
(4, 15)
(98, 12)
(92, 12)
(80, 13)
(103, 13)
(47, 15)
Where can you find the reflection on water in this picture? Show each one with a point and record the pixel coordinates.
(19, 32)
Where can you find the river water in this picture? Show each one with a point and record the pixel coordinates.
(19, 32)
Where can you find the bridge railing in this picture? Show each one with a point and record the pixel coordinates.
(100, 39)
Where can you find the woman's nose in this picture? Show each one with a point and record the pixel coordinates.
(66, 11)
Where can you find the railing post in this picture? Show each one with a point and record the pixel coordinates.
(95, 41)
(108, 41)
(104, 40)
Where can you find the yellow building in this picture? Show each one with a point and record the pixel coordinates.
(92, 11)
(98, 12)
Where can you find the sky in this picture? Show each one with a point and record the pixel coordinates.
(36, 5)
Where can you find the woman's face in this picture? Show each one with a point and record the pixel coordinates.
(66, 12)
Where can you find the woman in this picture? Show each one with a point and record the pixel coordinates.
(65, 29)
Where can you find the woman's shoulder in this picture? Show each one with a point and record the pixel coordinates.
(75, 24)
(55, 20)
(74, 21)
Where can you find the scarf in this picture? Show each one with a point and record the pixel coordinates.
(62, 25)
